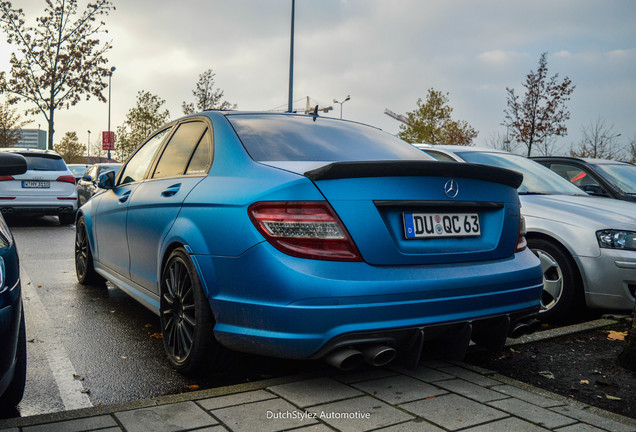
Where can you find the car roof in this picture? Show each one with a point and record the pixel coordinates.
(591, 161)
(26, 151)
(456, 148)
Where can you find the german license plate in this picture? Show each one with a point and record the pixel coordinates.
(36, 184)
(434, 225)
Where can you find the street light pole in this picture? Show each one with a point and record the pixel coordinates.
(110, 76)
(335, 101)
(290, 103)
(88, 155)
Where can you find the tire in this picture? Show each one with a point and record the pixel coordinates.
(86, 274)
(561, 297)
(66, 218)
(14, 392)
(186, 319)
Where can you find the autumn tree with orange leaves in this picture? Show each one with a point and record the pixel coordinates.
(542, 112)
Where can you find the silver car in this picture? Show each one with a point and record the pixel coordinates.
(587, 245)
(46, 188)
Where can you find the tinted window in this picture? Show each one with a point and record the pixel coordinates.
(138, 164)
(44, 162)
(305, 138)
(202, 158)
(178, 152)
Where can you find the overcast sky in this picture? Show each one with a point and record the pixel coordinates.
(384, 53)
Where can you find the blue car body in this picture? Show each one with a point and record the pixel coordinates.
(273, 299)
(12, 327)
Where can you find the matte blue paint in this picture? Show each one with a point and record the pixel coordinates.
(267, 302)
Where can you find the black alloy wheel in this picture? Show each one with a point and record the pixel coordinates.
(86, 274)
(186, 318)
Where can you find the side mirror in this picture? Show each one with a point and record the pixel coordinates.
(12, 164)
(595, 190)
(106, 180)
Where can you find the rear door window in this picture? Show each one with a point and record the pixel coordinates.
(178, 153)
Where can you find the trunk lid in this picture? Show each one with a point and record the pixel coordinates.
(372, 199)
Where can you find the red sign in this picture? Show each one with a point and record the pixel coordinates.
(108, 140)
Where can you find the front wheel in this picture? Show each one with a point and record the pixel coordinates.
(560, 296)
(186, 319)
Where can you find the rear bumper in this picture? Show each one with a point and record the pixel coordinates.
(44, 210)
(269, 303)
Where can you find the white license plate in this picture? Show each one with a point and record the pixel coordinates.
(36, 184)
(434, 225)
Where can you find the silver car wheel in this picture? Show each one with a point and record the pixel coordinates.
(552, 280)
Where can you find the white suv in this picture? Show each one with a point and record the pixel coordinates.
(47, 188)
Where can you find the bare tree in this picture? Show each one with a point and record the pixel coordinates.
(207, 97)
(631, 150)
(60, 60)
(542, 113)
(500, 141)
(546, 147)
(598, 141)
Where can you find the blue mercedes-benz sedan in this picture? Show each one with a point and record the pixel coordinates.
(306, 237)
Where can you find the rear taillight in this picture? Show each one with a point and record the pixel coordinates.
(5, 178)
(307, 229)
(521, 235)
(66, 178)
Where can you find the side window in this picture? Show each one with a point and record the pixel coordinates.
(202, 158)
(178, 152)
(575, 175)
(138, 164)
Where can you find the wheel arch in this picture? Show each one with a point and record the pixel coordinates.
(169, 249)
(580, 280)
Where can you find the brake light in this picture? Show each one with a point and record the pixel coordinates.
(522, 244)
(66, 178)
(5, 178)
(308, 229)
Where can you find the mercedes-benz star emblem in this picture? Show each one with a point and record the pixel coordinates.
(451, 188)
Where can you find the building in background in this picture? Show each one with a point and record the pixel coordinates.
(32, 138)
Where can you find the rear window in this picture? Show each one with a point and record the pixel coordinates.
(44, 162)
(272, 137)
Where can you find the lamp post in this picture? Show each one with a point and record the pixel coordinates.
(290, 103)
(110, 76)
(88, 155)
(346, 99)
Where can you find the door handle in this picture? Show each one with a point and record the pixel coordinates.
(172, 190)
(124, 197)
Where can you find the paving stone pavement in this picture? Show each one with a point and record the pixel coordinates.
(435, 397)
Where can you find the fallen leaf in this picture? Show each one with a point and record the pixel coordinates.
(610, 397)
(193, 387)
(156, 336)
(148, 325)
(584, 382)
(547, 374)
(617, 336)
(78, 378)
(85, 391)
(124, 357)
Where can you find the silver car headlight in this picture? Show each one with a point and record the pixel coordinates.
(616, 239)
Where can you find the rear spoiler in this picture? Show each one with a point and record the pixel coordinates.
(406, 168)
